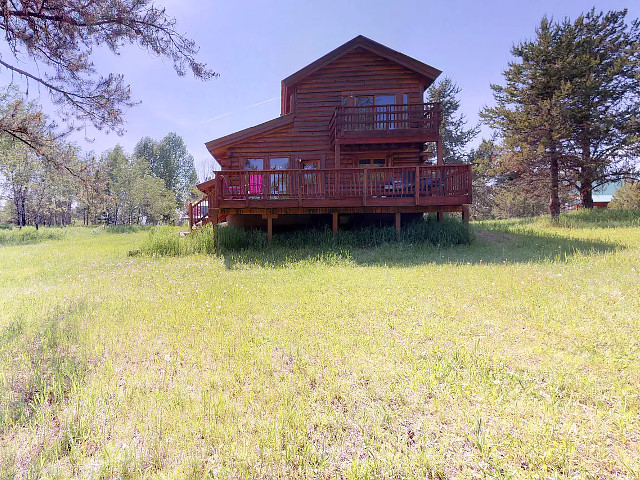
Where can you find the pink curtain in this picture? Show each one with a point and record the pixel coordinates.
(255, 184)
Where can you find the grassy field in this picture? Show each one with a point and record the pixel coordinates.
(517, 356)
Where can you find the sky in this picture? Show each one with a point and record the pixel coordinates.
(253, 45)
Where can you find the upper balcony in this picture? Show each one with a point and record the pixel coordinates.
(401, 123)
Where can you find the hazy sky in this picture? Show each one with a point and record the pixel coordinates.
(255, 44)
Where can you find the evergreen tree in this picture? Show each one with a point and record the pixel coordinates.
(569, 109)
(455, 137)
(601, 99)
(528, 114)
(627, 197)
(53, 42)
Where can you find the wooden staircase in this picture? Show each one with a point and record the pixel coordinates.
(200, 213)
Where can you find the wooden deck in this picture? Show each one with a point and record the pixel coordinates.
(380, 189)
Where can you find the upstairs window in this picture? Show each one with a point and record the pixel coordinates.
(254, 164)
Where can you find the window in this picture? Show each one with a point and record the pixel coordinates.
(374, 112)
(279, 182)
(405, 111)
(254, 164)
(373, 162)
(278, 163)
(385, 111)
(363, 118)
(310, 164)
(365, 101)
(310, 181)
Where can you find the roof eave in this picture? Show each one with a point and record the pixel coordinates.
(217, 146)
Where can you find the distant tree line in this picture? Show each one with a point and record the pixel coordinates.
(150, 186)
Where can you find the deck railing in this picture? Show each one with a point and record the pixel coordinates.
(353, 186)
(385, 120)
(199, 211)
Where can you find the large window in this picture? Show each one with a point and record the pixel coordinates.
(374, 112)
(385, 112)
(279, 182)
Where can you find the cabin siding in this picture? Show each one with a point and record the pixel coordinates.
(316, 98)
(320, 121)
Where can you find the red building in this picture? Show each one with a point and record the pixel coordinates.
(350, 141)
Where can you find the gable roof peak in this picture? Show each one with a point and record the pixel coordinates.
(428, 72)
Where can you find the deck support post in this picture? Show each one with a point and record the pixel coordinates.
(416, 185)
(439, 216)
(335, 222)
(465, 213)
(269, 217)
(398, 224)
(190, 210)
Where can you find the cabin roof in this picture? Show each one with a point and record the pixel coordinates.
(214, 146)
(428, 72)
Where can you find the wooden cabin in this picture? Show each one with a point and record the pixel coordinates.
(354, 138)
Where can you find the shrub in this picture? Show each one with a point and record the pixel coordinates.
(24, 235)
(627, 197)
(162, 241)
(166, 241)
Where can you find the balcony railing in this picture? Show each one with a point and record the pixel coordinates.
(343, 187)
(385, 121)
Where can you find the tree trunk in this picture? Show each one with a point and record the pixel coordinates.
(586, 193)
(554, 197)
(587, 174)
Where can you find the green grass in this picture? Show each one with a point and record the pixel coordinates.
(28, 235)
(517, 356)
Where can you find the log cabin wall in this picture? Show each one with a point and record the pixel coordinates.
(313, 101)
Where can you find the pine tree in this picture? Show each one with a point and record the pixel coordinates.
(528, 113)
(569, 111)
(601, 99)
(455, 137)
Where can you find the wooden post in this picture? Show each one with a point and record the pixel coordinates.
(398, 224)
(190, 208)
(439, 216)
(416, 185)
(364, 187)
(269, 218)
(335, 222)
(465, 213)
(337, 155)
